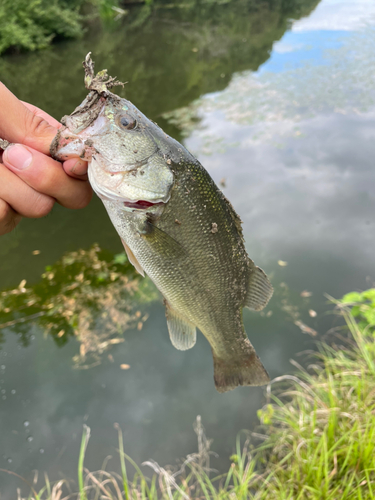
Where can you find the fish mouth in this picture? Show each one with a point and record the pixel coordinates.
(142, 204)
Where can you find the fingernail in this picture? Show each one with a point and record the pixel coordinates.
(79, 168)
(18, 156)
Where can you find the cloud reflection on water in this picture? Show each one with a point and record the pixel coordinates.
(340, 15)
(295, 144)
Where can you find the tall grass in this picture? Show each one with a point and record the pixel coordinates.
(318, 441)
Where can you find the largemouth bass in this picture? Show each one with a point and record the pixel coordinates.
(175, 225)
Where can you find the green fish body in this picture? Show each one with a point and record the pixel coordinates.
(176, 226)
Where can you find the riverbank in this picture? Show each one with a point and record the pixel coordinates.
(32, 26)
(317, 440)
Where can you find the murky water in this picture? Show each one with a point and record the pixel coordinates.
(283, 113)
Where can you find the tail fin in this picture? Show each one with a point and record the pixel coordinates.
(246, 369)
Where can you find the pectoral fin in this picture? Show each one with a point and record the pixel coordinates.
(162, 242)
(132, 259)
(182, 333)
(259, 290)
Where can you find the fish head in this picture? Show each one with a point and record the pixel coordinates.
(122, 146)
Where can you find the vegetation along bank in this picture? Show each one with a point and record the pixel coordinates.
(317, 439)
(29, 25)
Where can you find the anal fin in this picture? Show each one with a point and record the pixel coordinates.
(182, 333)
(132, 259)
(259, 290)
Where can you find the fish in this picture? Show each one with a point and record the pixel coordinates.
(175, 225)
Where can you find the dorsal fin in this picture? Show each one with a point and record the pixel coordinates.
(259, 290)
(182, 333)
(132, 259)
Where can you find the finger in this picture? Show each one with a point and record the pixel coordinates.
(8, 218)
(39, 112)
(22, 198)
(20, 125)
(76, 167)
(46, 176)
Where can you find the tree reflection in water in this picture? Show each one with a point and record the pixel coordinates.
(88, 294)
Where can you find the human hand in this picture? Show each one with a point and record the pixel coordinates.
(30, 180)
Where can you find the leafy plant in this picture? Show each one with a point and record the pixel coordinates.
(362, 307)
(32, 24)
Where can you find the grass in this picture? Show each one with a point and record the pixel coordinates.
(318, 438)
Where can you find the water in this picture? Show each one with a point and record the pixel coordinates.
(284, 111)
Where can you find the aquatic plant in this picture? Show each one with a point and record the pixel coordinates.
(318, 439)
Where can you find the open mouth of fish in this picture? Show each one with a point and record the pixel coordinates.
(141, 204)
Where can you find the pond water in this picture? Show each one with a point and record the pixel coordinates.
(278, 103)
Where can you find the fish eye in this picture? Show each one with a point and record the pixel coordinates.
(126, 122)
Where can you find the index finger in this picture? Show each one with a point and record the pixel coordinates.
(75, 167)
(20, 125)
(39, 112)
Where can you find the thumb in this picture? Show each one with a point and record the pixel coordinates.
(20, 125)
